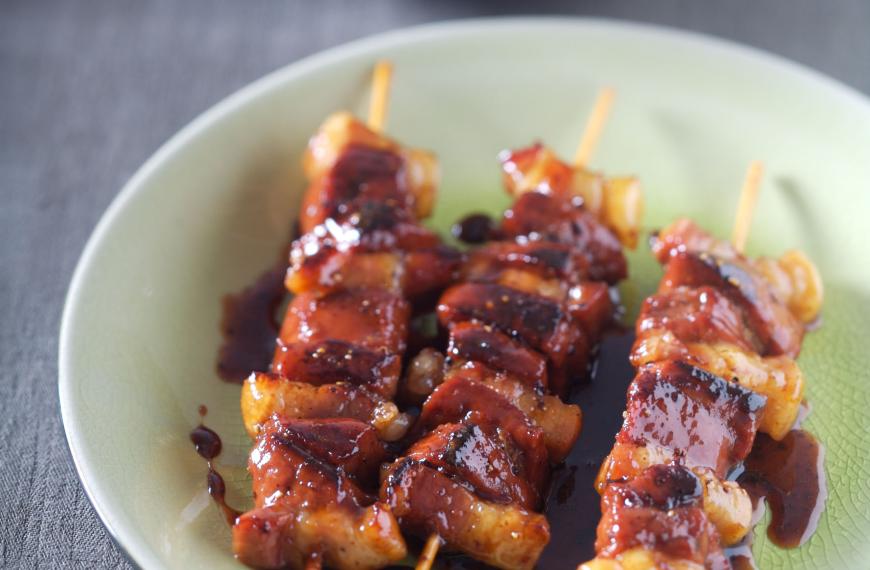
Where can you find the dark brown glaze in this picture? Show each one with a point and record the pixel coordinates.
(482, 343)
(594, 305)
(349, 445)
(249, 326)
(535, 216)
(426, 501)
(474, 228)
(705, 420)
(208, 445)
(459, 399)
(537, 321)
(369, 318)
(548, 260)
(386, 255)
(778, 329)
(206, 442)
(484, 462)
(427, 272)
(559, 421)
(301, 500)
(697, 314)
(790, 475)
(661, 510)
(218, 491)
(573, 505)
(332, 361)
(361, 176)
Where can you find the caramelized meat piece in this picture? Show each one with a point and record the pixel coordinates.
(360, 216)
(559, 421)
(429, 270)
(779, 297)
(369, 323)
(265, 395)
(539, 322)
(537, 216)
(418, 173)
(331, 361)
(462, 400)
(412, 273)
(685, 236)
(703, 327)
(699, 418)
(369, 318)
(548, 260)
(426, 502)
(304, 505)
(591, 305)
(360, 175)
(482, 343)
(483, 461)
(701, 314)
(779, 330)
(349, 445)
(659, 511)
(617, 202)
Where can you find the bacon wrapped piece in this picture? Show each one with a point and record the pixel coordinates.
(474, 477)
(657, 520)
(320, 416)
(715, 353)
(533, 303)
(307, 478)
(738, 318)
(360, 216)
(679, 414)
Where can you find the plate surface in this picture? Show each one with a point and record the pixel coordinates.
(213, 208)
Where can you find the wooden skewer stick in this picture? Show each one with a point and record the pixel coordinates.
(591, 133)
(746, 205)
(381, 79)
(430, 551)
(594, 127)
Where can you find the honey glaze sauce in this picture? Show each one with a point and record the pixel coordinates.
(208, 445)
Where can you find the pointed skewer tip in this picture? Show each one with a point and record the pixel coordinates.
(381, 79)
(594, 127)
(746, 205)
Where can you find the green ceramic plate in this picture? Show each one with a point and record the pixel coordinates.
(212, 208)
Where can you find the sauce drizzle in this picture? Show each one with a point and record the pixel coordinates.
(249, 326)
(473, 229)
(208, 445)
(790, 476)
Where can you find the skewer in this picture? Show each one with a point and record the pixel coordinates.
(430, 551)
(594, 127)
(591, 134)
(746, 205)
(381, 80)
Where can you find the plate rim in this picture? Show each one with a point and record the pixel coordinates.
(142, 553)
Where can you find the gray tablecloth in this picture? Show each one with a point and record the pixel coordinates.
(88, 90)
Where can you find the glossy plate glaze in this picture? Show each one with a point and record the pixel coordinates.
(214, 206)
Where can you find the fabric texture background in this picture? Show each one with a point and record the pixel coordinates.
(89, 89)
